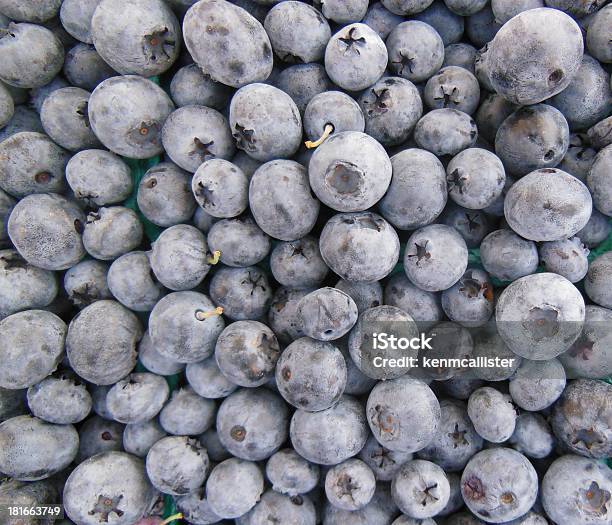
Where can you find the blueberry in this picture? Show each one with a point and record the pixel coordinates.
(155, 362)
(416, 50)
(403, 414)
(365, 295)
(499, 484)
(579, 418)
(7, 203)
(243, 293)
(30, 55)
(461, 55)
(598, 181)
(195, 508)
(327, 313)
(532, 436)
(530, 212)
(599, 134)
(406, 7)
(598, 35)
(350, 485)
(344, 13)
(138, 438)
(12, 403)
(586, 100)
(291, 474)
(23, 119)
(98, 177)
(31, 162)
(532, 137)
(385, 319)
(84, 67)
(240, 241)
(449, 340)
(492, 112)
(579, 157)
(317, 386)
(215, 449)
(446, 131)
(30, 11)
(97, 435)
(355, 57)
(246, 353)
(252, 423)
(112, 232)
(180, 258)
(164, 195)
(540, 316)
(587, 357)
(577, 490)
(281, 201)
(187, 413)
(132, 282)
(137, 398)
(64, 117)
(298, 263)
(380, 511)
(28, 493)
(7, 106)
(244, 52)
(98, 398)
(39, 94)
(220, 188)
(31, 346)
(184, 326)
(76, 18)
(192, 135)
(234, 487)
(127, 114)
(252, 109)
(526, 62)
(449, 25)
(492, 414)
(568, 258)
(332, 435)
(537, 384)
(359, 246)
(303, 82)
(381, 20)
(391, 107)
(424, 307)
(141, 38)
(455, 441)
(61, 399)
(489, 344)
(350, 171)
(384, 463)
(420, 489)
(331, 112)
(469, 301)
(101, 342)
(435, 257)
(207, 381)
(190, 86)
(177, 465)
(282, 314)
(202, 220)
(507, 257)
(280, 508)
(453, 87)
(34, 449)
(126, 491)
(481, 27)
(24, 286)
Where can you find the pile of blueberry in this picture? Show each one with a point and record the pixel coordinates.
(197, 338)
